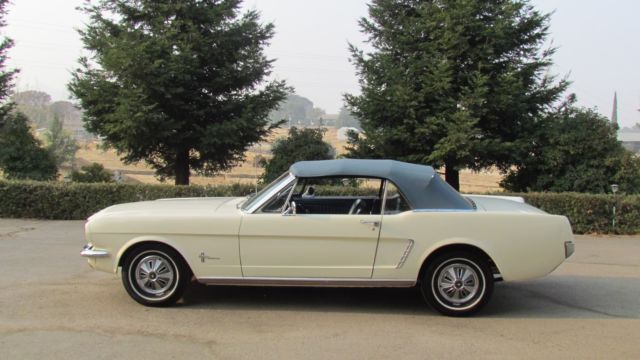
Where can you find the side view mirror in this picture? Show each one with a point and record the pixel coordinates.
(291, 210)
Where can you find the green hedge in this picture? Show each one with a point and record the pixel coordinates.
(588, 213)
(75, 201)
(591, 213)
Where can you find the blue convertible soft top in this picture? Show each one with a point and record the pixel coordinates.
(420, 184)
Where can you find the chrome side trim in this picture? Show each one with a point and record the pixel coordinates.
(317, 282)
(405, 255)
(518, 199)
(90, 252)
(444, 210)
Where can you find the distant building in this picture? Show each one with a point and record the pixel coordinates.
(629, 137)
(328, 120)
(630, 140)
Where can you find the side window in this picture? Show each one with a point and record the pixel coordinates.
(395, 202)
(338, 195)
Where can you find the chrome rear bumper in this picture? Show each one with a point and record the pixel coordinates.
(90, 252)
(569, 248)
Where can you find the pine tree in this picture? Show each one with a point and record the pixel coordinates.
(21, 154)
(6, 76)
(576, 150)
(179, 84)
(453, 83)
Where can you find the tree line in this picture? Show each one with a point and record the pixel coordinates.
(466, 84)
(41, 110)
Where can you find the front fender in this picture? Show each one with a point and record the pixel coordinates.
(150, 238)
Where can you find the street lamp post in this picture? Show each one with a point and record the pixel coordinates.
(614, 190)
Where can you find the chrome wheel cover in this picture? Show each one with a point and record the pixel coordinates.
(458, 284)
(154, 275)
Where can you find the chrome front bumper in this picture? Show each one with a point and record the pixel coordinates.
(89, 251)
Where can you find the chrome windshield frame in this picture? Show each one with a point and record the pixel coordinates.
(269, 195)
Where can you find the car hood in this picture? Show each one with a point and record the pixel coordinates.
(168, 207)
(503, 204)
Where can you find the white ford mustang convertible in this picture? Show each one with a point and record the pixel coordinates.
(371, 223)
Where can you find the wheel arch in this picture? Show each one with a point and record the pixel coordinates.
(460, 246)
(138, 242)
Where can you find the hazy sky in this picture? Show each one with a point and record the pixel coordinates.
(597, 40)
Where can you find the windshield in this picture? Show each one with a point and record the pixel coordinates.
(258, 197)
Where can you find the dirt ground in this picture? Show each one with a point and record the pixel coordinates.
(247, 172)
(53, 306)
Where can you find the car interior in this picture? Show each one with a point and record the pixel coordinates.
(341, 195)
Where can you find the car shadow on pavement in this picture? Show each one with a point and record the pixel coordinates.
(367, 300)
(324, 299)
(556, 296)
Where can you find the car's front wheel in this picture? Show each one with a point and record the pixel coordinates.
(155, 275)
(457, 283)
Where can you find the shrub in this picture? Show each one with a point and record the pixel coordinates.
(94, 173)
(301, 144)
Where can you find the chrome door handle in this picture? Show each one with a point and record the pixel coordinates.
(370, 222)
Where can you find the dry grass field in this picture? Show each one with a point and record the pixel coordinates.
(246, 172)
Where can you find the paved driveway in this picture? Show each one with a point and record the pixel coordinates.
(53, 306)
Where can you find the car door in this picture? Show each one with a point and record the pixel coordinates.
(310, 245)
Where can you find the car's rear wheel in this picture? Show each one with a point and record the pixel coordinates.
(457, 283)
(155, 275)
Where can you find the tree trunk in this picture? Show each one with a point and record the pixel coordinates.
(452, 176)
(182, 167)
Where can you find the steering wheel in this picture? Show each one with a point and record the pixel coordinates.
(357, 207)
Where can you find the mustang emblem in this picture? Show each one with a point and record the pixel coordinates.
(204, 257)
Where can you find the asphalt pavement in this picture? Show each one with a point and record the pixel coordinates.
(53, 306)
